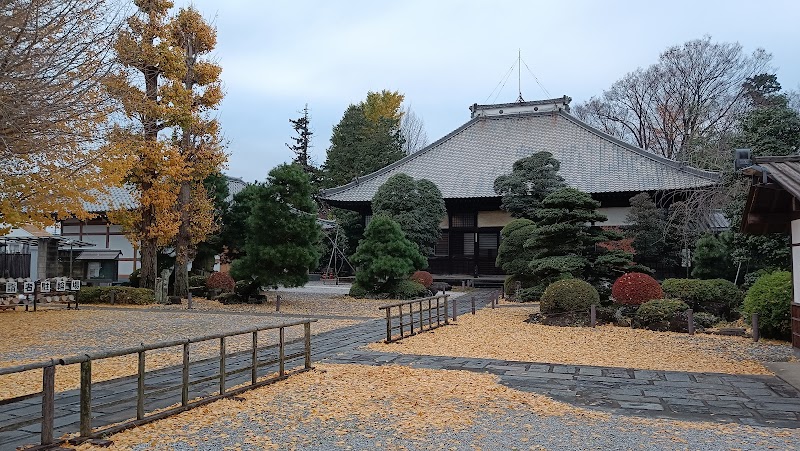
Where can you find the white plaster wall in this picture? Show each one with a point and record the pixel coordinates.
(616, 215)
(94, 228)
(796, 260)
(497, 218)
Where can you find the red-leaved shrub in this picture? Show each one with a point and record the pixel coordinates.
(423, 277)
(636, 288)
(220, 281)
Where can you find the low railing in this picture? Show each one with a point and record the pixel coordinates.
(221, 379)
(430, 313)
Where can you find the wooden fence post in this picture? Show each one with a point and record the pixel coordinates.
(140, 387)
(388, 325)
(281, 353)
(278, 303)
(48, 403)
(473, 305)
(185, 376)
(756, 332)
(254, 359)
(446, 319)
(307, 333)
(86, 399)
(222, 353)
(455, 310)
(690, 321)
(593, 315)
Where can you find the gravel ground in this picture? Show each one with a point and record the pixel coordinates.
(355, 407)
(512, 430)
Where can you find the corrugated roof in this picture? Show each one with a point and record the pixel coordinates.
(465, 163)
(784, 170)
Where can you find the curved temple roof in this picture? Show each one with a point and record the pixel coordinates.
(465, 163)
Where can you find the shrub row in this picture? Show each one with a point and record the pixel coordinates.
(718, 297)
(122, 295)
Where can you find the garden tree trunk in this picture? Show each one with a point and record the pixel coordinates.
(182, 242)
(149, 270)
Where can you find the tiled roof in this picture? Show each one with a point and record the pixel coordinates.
(118, 198)
(112, 198)
(465, 163)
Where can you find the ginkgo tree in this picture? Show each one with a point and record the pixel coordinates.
(164, 87)
(54, 109)
(199, 142)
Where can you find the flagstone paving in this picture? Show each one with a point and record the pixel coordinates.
(751, 400)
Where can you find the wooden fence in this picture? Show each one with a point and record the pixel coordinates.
(144, 415)
(411, 317)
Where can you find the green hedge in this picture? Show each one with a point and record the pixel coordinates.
(719, 297)
(771, 297)
(570, 295)
(662, 314)
(122, 295)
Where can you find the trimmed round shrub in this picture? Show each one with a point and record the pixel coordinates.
(357, 291)
(220, 281)
(771, 297)
(636, 288)
(408, 289)
(423, 277)
(704, 319)
(122, 295)
(134, 277)
(245, 288)
(730, 298)
(569, 295)
(528, 294)
(197, 281)
(694, 292)
(662, 314)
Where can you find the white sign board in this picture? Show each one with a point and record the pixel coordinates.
(61, 285)
(28, 287)
(11, 287)
(44, 287)
(75, 285)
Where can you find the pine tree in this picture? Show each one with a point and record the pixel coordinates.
(385, 256)
(282, 234)
(649, 228)
(531, 180)
(302, 142)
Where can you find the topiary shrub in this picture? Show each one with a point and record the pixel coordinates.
(423, 277)
(569, 295)
(408, 289)
(694, 292)
(528, 294)
(636, 288)
(122, 295)
(771, 297)
(729, 302)
(197, 281)
(246, 288)
(705, 320)
(220, 281)
(357, 291)
(662, 315)
(133, 278)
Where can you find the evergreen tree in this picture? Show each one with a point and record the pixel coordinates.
(531, 180)
(564, 242)
(712, 257)
(649, 228)
(385, 257)
(301, 145)
(512, 255)
(282, 238)
(216, 187)
(360, 146)
(416, 205)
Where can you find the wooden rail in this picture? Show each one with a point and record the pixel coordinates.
(141, 416)
(415, 316)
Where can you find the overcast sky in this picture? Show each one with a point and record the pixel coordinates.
(278, 56)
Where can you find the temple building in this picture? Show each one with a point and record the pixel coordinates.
(465, 163)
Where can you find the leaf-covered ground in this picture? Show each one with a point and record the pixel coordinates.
(503, 334)
(395, 407)
(27, 337)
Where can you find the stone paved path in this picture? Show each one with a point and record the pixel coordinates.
(753, 400)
